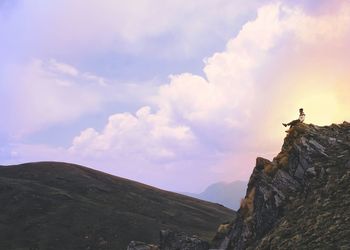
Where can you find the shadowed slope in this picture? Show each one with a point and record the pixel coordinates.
(51, 205)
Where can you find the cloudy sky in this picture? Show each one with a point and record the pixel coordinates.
(173, 93)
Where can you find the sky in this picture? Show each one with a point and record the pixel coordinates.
(175, 94)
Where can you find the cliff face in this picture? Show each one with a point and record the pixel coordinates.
(299, 200)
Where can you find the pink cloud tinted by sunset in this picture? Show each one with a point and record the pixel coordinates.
(194, 128)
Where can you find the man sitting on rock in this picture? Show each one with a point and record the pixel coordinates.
(295, 122)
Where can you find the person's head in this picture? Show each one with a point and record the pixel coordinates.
(301, 111)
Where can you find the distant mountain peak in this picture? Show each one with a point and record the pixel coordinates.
(228, 194)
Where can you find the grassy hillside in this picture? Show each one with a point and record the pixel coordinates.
(50, 205)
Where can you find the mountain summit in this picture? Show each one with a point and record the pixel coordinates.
(301, 199)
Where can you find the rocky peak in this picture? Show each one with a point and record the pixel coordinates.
(295, 199)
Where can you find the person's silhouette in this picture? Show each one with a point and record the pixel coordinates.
(295, 122)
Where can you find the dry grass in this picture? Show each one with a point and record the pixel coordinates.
(279, 162)
(269, 169)
(247, 204)
(224, 228)
(283, 161)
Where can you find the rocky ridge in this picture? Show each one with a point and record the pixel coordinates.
(300, 199)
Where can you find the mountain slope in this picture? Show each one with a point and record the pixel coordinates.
(301, 199)
(50, 205)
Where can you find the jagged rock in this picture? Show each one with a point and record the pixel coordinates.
(170, 240)
(221, 239)
(137, 245)
(299, 200)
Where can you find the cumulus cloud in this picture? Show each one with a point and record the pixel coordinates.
(210, 127)
(126, 135)
(282, 60)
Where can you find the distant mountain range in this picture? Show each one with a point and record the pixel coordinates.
(227, 194)
(51, 205)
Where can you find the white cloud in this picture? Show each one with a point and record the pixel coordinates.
(90, 26)
(62, 68)
(248, 90)
(147, 135)
(42, 93)
(46, 93)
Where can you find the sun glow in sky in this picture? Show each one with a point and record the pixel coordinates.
(175, 94)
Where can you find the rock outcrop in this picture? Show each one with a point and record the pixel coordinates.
(301, 199)
(137, 245)
(170, 240)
